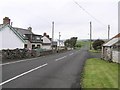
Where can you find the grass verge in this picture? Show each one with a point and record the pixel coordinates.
(100, 74)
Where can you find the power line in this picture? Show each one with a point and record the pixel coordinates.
(88, 13)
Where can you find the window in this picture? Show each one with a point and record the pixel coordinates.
(38, 38)
(38, 46)
(25, 45)
(33, 46)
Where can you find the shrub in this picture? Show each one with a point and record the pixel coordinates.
(97, 44)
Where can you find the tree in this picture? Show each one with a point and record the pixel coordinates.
(67, 43)
(97, 44)
(71, 42)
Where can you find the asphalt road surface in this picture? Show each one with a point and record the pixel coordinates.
(61, 70)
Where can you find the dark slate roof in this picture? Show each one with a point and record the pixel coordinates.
(34, 38)
(46, 43)
(1, 25)
(23, 31)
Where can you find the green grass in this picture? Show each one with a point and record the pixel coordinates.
(83, 43)
(100, 74)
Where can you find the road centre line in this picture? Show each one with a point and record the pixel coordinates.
(23, 74)
(60, 58)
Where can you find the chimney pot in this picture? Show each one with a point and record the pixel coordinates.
(6, 20)
(30, 28)
(44, 34)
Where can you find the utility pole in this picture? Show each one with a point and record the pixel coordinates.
(90, 35)
(52, 34)
(108, 32)
(59, 40)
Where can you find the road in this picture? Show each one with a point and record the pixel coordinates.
(61, 70)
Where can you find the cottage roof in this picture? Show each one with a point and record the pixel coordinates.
(1, 25)
(112, 42)
(117, 36)
(23, 31)
(34, 38)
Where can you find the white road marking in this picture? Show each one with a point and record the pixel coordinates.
(18, 61)
(60, 58)
(22, 74)
(71, 54)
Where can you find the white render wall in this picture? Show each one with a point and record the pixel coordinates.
(116, 56)
(9, 40)
(48, 47)
(46, 40)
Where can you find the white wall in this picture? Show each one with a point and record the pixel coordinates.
(61, 44)
(10, 40)
(48, 47)
(46, 40)
(116, 56)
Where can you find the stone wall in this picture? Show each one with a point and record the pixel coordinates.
(18, 54)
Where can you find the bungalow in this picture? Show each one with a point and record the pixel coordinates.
(13, 37)
(111, 49)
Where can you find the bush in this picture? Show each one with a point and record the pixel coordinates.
(97, 44)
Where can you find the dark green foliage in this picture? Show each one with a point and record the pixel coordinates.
(97, 44)
(71, 42)
(78, 45)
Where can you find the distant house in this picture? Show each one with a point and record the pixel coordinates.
(13, 37)
(111, 49)
(60, 43)
(46, 41)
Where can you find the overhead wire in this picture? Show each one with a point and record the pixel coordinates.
(88, 13)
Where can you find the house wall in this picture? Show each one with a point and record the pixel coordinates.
(107, 53)
(10, 40)
(46, 40)
(48, 47)
(115, 56)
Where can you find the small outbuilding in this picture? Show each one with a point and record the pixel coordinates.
(111, 49)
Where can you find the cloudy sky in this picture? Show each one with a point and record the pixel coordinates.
(69, 18)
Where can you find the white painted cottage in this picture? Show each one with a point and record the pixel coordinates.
(10, 39)
(13, 37)
(111, 49)
(46, 42)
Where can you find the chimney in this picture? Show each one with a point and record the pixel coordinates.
(6, 20)
(30, 28)
(44, 34)
(48, 36)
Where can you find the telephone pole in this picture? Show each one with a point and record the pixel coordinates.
(90, 35)
(108, 32)
(52, 34)
(59, 40)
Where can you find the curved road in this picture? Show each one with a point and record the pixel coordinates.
(53, 71)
